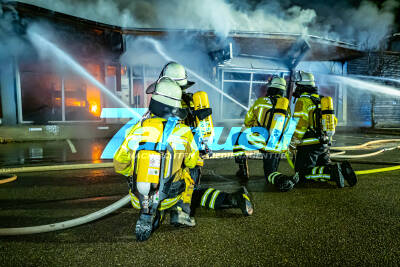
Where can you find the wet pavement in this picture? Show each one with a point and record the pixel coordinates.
(315, 224)
(90, 150)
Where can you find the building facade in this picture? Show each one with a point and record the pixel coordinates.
(38, 90)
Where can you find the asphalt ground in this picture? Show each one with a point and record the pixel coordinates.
(315, 224)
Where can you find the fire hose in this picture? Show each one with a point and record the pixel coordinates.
(8, 178)
(66, 224)
(125, 200)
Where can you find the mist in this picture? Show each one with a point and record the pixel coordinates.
(363, 23)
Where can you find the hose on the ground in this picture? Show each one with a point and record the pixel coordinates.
(66, 224)
(360, 147)
(8, 178)
(125, 200)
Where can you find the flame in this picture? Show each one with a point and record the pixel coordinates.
(74, 102)
(94, 108)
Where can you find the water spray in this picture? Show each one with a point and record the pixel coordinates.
(158, 47)
(386, 79)
(373, 87)
(46, 45)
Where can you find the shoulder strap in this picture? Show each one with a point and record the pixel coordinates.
(317, 114)
(272, 111)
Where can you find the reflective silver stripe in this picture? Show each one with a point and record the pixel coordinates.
(321, 170)
(311, 107)
(318, 176)
(170, 201)
(298, 114)
(264, 105)
(310, 140)
(272, 176)
(214, 197)
(260, 114)
(300, 132)
(134, 201)
(314, 170)
(124, 148)
(204, 197)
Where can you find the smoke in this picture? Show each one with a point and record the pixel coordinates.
(365, 23)
(10, 42)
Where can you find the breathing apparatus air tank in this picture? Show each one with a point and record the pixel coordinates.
(148, 163)
(277, 123)
(203, 113)
(328, 119)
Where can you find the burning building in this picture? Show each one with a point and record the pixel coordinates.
(36, 89)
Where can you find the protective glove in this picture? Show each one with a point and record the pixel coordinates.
(206, 151)
(292, 149)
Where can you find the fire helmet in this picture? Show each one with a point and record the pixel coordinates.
(305, 83)
(276, 86)
(176, 72)
(305, 78)
(166, 99)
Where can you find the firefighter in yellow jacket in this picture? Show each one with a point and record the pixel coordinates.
(313, 134)
(198, 110)
(261, 114)
(156, 156)
(195, 112)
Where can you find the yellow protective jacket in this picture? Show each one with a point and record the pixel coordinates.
(181, 139)
(305, 110)
(259, 115)
(186, 155)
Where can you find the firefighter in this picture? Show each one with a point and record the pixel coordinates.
(313, 134)
(199, 119)
(261, 114)
(156, 156)
(178, 73)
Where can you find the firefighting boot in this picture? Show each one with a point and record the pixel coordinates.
(144, 226)
(158, 219)
(348, 173)
(241, 199)
(243, 172)
(283, 182)
(337, 175)
(179, 218)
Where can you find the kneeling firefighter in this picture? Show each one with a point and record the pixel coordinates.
(156, 156)
(199, 119)
(313, 135)
(271, 112)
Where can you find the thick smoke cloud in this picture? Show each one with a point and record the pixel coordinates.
(364, 23)
(10, 43)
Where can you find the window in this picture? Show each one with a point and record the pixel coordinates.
(142, 77)
(50, 96)
(41, 97)
(82, 99)
(245, 87)
(239, 92)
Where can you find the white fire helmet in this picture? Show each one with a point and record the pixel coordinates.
(305, 78)
(278, 82)
(176, 72)
(167, 92)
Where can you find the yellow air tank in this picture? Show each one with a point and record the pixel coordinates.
(328, 119)
(148, 162)
(148, 167)
(204, 123)
(277, 123)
